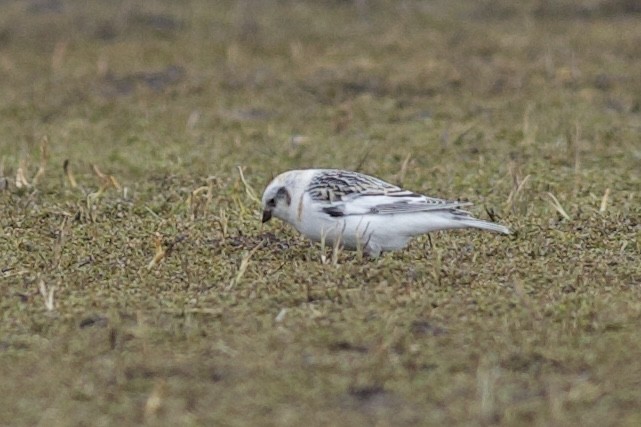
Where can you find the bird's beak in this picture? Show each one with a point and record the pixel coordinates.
(267, 215)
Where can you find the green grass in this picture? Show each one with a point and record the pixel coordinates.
(172, 305)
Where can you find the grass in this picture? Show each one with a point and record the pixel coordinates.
(137, 284)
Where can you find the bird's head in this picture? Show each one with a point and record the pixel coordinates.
(277, 199)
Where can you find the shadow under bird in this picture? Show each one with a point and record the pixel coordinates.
(361, 211)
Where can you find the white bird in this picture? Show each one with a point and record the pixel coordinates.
(360, 211)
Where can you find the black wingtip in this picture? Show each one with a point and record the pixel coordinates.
(333, 211)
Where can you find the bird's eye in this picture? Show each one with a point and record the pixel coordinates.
(271, 203)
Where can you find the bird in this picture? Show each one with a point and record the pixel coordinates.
(358, 211)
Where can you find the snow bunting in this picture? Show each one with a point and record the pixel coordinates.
(360, 211)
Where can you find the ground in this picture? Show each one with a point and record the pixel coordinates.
(138, 286)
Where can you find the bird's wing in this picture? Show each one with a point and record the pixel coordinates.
(341, 193)
(425, 204)
(383, 205)
(337, 185)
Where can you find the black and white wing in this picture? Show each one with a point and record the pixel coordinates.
(338, 185)
(342, 193)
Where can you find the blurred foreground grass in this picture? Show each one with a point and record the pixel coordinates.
(137, 286)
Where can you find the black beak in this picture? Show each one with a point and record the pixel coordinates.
(267, 215)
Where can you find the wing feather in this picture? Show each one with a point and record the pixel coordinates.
(404, 207)
(337, 185)
(343, 193)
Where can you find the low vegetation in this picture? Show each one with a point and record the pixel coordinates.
(137, 284)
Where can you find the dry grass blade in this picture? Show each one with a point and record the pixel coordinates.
(98, 172)
(574, 151)
(223, 222)
(44, 158)
(196, 204)
(91, 197)
(4, 182)
(323, 257)
(364, 157)
(577, 147)
(403, 171)
(114, 182)
(199, 190)
(244, 263)
(47, 295)
(163, 251)
(521, 185)
(437, 266)
(6, 273)
(557, 206)
(281, 315)
(336, 250)
(248, 189)
(21, 179)
(60, 242)
(66, 167)
(604, 201)
(106, 182)
(514, 194)
(159, 254)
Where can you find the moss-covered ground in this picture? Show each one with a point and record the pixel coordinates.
(137, 285)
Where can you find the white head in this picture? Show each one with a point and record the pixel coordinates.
(279, 194)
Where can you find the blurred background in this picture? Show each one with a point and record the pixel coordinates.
(276, 84)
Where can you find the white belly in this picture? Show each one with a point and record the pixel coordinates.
(370, 234)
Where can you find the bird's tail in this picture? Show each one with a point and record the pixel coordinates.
(485, 225)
